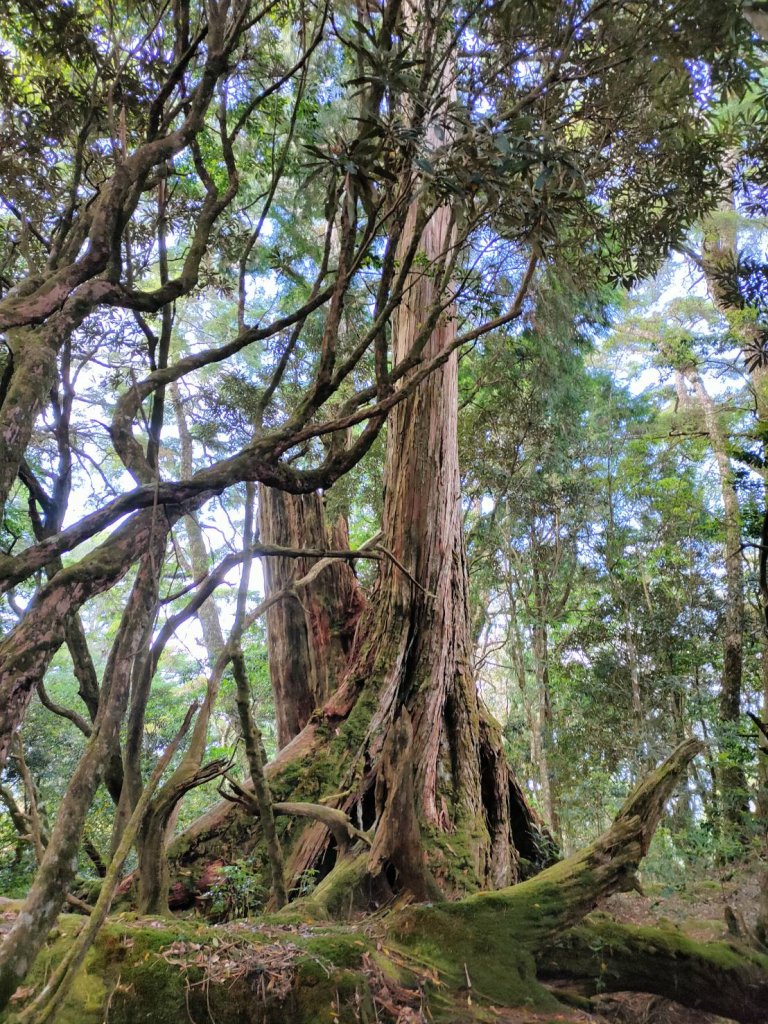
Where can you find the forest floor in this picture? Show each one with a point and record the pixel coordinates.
(696, 907)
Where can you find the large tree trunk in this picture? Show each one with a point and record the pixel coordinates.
(308, 636)
(414, 648)
(422, 629)
(404, 745)
(406, 728)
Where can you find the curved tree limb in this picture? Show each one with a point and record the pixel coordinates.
(516, 924)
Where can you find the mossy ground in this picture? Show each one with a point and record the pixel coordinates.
(338, 974)
(468, 963)
(127, 977)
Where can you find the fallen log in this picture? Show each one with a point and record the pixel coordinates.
(498, 939)
(602, 955)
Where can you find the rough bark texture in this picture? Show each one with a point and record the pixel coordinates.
(308, 637)
(398, 839)
(412, 656)
(415, 646)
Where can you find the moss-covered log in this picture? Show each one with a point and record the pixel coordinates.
(713, 977)
(496, 937)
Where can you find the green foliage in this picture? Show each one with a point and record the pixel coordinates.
(17, 861)
(237, 892)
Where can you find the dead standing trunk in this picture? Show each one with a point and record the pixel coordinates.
(308, 635)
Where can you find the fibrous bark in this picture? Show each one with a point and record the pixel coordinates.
(308, 635)
(412, 656)
(414, 648)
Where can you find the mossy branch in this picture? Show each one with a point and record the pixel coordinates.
(340, 824)
(514, 925)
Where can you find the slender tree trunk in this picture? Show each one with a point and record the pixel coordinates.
(254, 750)
(25, 939)
(208, 616)
(157, 822)
(732, 776)
(544, 727)
(152, 834)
